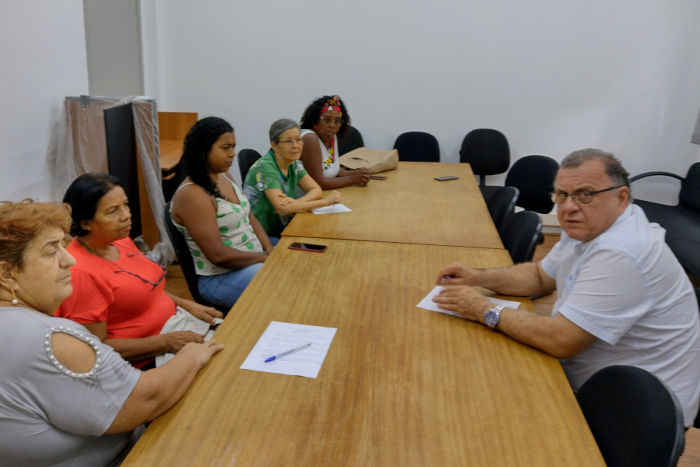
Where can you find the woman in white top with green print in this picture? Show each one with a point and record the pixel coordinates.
(227, 243)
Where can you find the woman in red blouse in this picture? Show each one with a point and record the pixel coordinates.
(118, 293)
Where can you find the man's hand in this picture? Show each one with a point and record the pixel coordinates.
(464, 300)
(205, 313)
(457, 274)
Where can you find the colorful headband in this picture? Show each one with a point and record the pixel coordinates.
(332, 104)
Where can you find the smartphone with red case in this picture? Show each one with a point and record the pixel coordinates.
(308, 247)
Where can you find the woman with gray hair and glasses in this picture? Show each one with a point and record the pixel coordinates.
(272, 181)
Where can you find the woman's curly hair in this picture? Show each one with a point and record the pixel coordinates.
(312, 114)
(198, 144)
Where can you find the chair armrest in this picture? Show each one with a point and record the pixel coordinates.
(650, 174)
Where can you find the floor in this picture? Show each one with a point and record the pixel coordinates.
(175, 284)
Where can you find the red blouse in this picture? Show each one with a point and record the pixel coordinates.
(130, 307)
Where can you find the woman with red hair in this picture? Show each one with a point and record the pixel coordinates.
(65, 397)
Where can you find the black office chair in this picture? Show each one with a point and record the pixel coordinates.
(697, 418)
(534, 177)
(185, 259)
(519, 235)
(417, 146)
(635, 419)
(501, 204)
(682, 222)
(246, 158)
(488, 153)
(351, 141)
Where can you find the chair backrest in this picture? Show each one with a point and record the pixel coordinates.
(534, 177)
(486, 150)
(697, 417)
(635, 419)
(519, 235)
(351, 141)
(501, 204)
(183, 256)
(689, 197)
(246, 158)
(417, 146)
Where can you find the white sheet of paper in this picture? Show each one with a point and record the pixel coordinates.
(332, 209)
(281, 337)
(428, 303)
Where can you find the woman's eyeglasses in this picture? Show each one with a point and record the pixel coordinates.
(154, 284)
(331, 121)
(290, 142)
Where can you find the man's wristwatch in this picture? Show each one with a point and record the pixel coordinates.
(492, 316)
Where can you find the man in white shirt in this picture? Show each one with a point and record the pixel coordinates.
(623, 298)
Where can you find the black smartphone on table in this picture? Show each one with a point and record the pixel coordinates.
(308, 247)
(444, 179)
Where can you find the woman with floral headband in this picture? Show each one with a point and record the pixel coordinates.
(324, 120)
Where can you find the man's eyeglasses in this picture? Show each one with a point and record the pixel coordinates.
(154, 284)
(330, 121)
(582, 197)
(290, 142)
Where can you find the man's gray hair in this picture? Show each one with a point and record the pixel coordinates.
(279, 127)
(613, 167)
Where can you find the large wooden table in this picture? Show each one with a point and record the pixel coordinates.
(409, 207)
(400, 386)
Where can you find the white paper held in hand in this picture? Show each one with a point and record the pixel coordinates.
(428, 304)
(332, 209)
(279, 338)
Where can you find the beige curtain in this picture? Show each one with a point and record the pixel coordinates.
(78, 146)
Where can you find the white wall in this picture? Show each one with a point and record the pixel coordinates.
(42, 51)
(149, 48)
(553, 76)
(112, 32)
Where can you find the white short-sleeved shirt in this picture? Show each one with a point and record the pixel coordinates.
(330, 163)
(627, 289)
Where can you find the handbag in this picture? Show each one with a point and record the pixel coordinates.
(376, 159)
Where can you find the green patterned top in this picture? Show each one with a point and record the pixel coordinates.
(264, 175)
(234, 227)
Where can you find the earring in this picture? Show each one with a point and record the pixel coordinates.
(15, 302)
(314, 127)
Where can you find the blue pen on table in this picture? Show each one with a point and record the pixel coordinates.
(301, 347)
